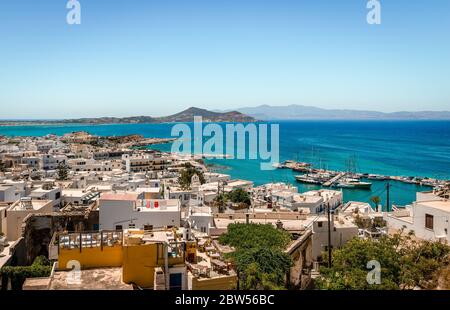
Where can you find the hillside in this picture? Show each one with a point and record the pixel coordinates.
(301, 112)
(207, 116)
(184, 116)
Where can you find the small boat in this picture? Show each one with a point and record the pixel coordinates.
(277, 165)
(301, 168)
(377, 177)
(353, 183)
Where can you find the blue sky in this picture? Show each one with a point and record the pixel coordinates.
(156, 57)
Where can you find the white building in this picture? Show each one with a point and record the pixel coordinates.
(125, 210)
(200, 219)
(82, 164)
(7, 193)
(144, 162)
(342, 230)
(330, 197)
(216, 177)
(47, 191)
(51, 162)
(78, 197)
(427, 219)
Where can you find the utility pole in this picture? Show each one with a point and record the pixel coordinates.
(329, 235)
(388, 187)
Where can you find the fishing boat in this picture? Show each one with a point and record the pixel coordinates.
(353, 183)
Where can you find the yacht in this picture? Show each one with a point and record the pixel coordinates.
(306, 178)
(353, 183)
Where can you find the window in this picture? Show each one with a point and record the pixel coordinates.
(148, 227)
(203, 229)
(319, 224)
(119, 227)
(429, 221)
(131, 225)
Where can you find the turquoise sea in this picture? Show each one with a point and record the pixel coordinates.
(406, 148)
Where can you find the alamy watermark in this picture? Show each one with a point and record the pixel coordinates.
(233, 143)
(374, 15)
(74, 15)
(74, 275)
(374, 275)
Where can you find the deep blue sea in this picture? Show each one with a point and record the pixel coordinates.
(406, 148)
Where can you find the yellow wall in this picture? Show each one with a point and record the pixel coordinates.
(138, 261)
(92, 257)
(220, 283)
(139, 264)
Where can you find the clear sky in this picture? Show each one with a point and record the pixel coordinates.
(157, 57)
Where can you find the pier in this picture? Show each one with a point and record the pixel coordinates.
(333, 180)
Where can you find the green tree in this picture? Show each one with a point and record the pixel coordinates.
(63, 171)
(239, 195)
(405, 263)
(259, 256)
(255, 235)
(376, 200)
(220, 201)
(184, 180)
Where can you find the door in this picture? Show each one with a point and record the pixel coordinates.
(176, 281)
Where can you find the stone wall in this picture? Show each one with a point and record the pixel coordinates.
(38, 229)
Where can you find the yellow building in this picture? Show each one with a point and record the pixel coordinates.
(157, 260)
(139, 253)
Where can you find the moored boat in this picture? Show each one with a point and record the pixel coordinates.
(353, 183)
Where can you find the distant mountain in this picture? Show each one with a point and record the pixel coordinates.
(110, 120)
(207, 116)
(301, 112)
(184, 116)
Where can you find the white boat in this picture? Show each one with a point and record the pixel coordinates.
(377, 177)
(307, 179)
(353, 183)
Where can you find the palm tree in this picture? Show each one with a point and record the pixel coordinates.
(376, 200)
(221, 201)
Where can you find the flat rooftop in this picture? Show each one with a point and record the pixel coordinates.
(239, 183)
(307, 198)
(90, 279)
(71, 192)
(443, 205)
(35, 205)
(119, 196)
(5, 187)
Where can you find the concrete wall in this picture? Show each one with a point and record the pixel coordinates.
(8, 194)
(217, 283)
(339, 236)
(39, 230)
(14, 220)
(441, 222)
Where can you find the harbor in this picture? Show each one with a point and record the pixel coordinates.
(349, 179)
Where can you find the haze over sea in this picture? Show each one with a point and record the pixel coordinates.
(405, 148)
